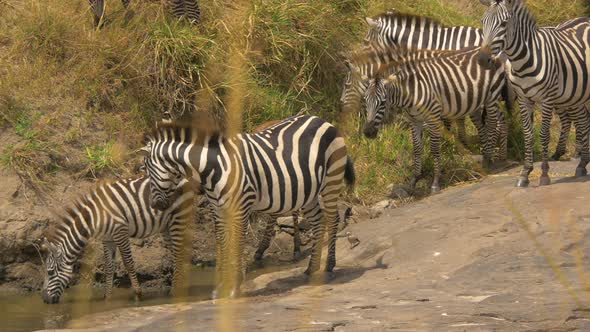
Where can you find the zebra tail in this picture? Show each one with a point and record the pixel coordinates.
(349, 174)
(508, 95)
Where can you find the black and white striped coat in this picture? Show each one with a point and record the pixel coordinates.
(447, 84)
(188, 9)
(549, 66)
(279, 171)
(113, 212)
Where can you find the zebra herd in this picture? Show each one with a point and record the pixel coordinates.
(301, 164)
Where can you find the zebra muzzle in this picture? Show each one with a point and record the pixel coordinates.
(485, 59)
(160, 204)
(49, 299)
(370, 130)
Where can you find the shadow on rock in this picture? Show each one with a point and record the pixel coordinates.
(339, 276)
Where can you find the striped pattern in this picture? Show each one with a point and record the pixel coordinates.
(549, 66)
(411, 31)
(188, 9)
(394, 29)
(279, 171)
(446, 84)
(113, 212)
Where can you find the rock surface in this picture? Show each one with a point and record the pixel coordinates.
(478, 257)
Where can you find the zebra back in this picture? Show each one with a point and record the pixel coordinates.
(393, 28)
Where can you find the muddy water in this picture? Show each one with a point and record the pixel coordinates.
(27, 312)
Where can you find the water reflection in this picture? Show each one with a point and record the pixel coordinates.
(27, 312)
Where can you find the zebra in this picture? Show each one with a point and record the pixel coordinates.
(281, 170)
(114, 212)
(451, 84)
(392, 29)
(180, 8)
(549, 66)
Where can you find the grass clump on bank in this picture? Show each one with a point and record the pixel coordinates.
(79, 98)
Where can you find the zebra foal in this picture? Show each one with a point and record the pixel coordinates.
(549, 66)
(447, 84)
(288, 167)
(113, 212)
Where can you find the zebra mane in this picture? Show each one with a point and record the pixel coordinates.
(409, 63)
(201, 126)
(394, 15)
(381, 59)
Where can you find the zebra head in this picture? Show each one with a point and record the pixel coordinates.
(164, 175)
(58, 270)
(494, 21)
(353, 88)
(376, 101)
(376, 30)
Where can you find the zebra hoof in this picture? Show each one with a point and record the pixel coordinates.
(258, 257)
(522, 183)
(435, 189)
(581, 171)
(544, 181)
(486, 163)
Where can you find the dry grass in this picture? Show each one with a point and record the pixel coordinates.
(80, 90)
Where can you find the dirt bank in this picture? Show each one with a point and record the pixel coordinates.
(24, 214)
(478, 257)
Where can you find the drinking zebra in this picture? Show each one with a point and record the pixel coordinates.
(445, 84)
(281, 170)
(114, 212)
(188, 9)
(549, 66)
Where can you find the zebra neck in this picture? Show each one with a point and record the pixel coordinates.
(521, 36)
(72, 237)
(224, 168)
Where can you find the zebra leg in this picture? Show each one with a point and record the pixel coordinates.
(476, 118)
(435, 138)
(502, 132)
(109, 250)
(447, 124)
(566, 125)
(219, 259)
(180, 244)
(314, 215)
(97, 8)
(125, 3)
(232, 243)
(122, 241)
(269, 233)
(582, 123)
(461, 131)
(546, 114)
(296, 238)
(491, 130)
(526, 115)
(417, 145)
(330, 200)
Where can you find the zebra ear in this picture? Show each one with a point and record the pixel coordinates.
(371, 22)
(485, 2)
